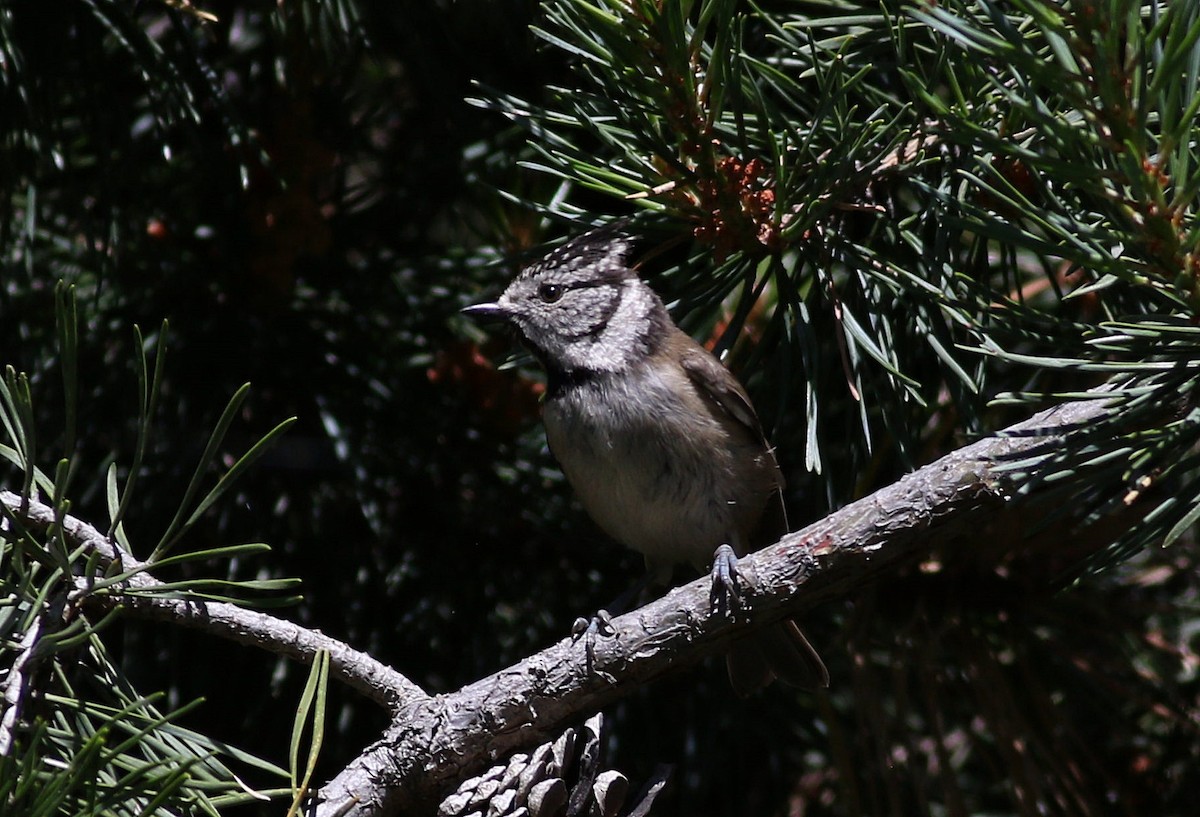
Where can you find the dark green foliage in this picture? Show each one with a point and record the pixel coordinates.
(905, 224)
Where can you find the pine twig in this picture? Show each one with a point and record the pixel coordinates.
(17, 684)
(361, 672)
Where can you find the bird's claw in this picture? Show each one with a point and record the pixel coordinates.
(724, 592)
(599, 625)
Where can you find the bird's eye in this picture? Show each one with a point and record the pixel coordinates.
(550, 292)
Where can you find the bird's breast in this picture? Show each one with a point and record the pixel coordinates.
(656, 468)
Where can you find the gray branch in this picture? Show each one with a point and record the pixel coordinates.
(18, 682)
(356, 669)
(433, 742)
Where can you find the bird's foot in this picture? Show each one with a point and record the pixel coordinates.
(724, 592)
(598, 626)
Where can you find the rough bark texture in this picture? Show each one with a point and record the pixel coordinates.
(961, 501)
(434, 742)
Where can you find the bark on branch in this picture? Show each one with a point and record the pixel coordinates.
(433, 742)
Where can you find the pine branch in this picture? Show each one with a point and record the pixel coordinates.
(356, 669)
(16, 685)
(962, 501)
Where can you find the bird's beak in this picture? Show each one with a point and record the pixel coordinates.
(489, 313)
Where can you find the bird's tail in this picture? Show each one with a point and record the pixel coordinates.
(779, 651)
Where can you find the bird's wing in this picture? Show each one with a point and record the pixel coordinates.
(716, 383)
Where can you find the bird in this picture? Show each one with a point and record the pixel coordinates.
(659, 441)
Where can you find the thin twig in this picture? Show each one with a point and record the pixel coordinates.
(20, 674)
(356, 669)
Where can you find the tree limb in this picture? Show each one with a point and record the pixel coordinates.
(435, 741)
(356, 669)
